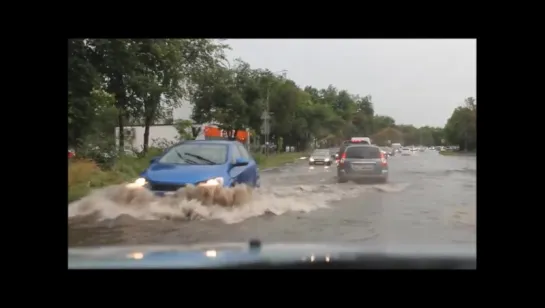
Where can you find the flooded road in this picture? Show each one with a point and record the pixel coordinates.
(429, 199)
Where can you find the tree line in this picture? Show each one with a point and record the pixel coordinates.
(112, 82)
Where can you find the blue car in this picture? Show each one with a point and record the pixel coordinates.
(200, 162)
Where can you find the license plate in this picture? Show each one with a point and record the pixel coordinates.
(163, 193)
(364, 167)
(319, 163)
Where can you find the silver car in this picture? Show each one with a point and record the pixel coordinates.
(360, 162)
(320, 157)
(406, 152)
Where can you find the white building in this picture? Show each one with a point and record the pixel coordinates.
(159, 134)
(164, 134)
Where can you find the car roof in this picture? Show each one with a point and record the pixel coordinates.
(213, 142)
(362, 146)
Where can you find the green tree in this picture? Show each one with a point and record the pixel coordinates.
(382, 122)
(167, 68)
(85, 97)
(185, 129)
(116, 60)
(461, 127)
(229, 97)
(387, 134)
(114, 82)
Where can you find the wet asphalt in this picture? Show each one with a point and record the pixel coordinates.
(429, 199)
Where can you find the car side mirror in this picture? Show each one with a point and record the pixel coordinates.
(241, 161)
(154, 159)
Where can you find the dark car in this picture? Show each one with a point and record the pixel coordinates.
(360, 162)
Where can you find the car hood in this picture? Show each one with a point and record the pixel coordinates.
(174, 173)
(224, 254)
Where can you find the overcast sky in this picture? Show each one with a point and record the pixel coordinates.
(416, 82)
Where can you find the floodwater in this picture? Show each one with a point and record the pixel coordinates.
(429, 199)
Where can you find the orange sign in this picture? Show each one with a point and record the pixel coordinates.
(211, 131)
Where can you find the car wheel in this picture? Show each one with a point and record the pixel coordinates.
(341, 179)
(383, 180)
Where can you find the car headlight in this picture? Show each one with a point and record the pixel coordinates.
(140, 182)
(311, 159)
(212, 182)
(327, 159)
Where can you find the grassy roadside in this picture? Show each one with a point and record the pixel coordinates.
(275, 160)
(86, 175)
(457, 153)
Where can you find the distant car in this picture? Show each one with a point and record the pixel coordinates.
(406, 152)
(199, 162)
(358, 162)
(320, 157)
(334, 153)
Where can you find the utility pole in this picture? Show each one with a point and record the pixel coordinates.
(266, 115)
(266, 126)
(465, 141)
(267, 123)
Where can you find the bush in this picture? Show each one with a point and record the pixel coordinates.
(84, 174)
(259, 158)
(81, 171)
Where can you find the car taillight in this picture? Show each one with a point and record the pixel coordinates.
(343, 157)
(383, 159)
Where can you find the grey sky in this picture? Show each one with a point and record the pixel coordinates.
(415, 81)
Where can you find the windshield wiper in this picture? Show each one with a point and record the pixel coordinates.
(201, 158)
(191, 162)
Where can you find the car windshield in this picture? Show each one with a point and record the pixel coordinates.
(362, 152)
(198, 153)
